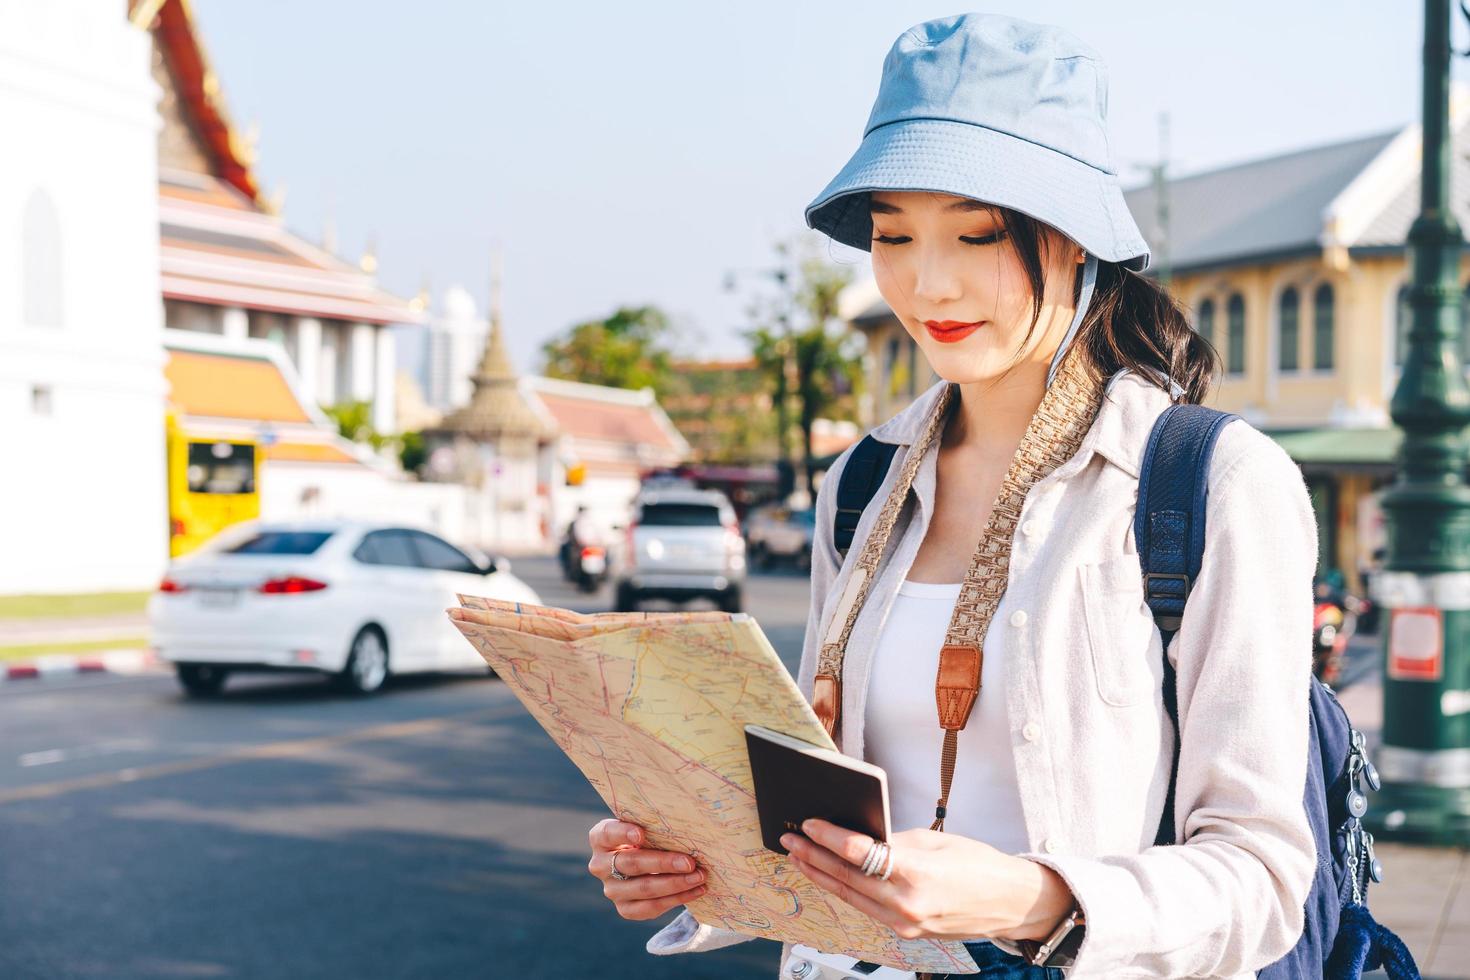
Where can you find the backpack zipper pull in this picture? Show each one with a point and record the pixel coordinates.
(1375, 866)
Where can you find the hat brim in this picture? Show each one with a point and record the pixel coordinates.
(1079, 200)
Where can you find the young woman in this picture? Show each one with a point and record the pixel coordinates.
(1001, 241)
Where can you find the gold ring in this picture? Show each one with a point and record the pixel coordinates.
(612, 860)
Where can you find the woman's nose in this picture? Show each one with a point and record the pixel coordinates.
(936, 282)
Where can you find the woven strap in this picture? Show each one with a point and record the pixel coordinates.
(1053, 436)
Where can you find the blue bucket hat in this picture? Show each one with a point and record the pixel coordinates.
(995, 109)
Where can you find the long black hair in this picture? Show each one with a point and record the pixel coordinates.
(1131, 321)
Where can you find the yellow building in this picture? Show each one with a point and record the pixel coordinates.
(1295, 268)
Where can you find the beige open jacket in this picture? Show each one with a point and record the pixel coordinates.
(1091, 738)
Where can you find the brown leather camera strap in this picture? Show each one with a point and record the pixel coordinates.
(1066, 412)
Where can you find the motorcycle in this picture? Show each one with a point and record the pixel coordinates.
(589, 569)
(1334, 620)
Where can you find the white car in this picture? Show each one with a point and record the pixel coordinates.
(350, 599)
(682, 544)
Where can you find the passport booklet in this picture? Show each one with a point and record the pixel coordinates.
(796, 780)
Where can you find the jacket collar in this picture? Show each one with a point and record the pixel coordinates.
(1120, 432)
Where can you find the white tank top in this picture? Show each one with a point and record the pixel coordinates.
(902, 732)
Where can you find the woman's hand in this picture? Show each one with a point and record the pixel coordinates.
(942, 886)
(657, 880)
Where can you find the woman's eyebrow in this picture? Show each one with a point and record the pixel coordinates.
(881, 207)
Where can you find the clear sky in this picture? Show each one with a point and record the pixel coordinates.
(636, 152)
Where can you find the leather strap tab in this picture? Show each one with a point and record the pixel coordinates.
(826, 697)
(957, 684)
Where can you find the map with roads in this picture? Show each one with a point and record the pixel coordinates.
(651, 707)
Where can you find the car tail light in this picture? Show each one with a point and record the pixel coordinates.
(176, 527)
(170, 586)
(592, 552)
(291, 585)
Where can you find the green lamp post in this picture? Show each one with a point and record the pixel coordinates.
(1424, 758)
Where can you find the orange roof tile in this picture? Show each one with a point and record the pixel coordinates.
(308, 452)
(584, 419)
(227, 386)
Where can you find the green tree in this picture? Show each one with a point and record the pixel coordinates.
(630, 349)
(354, 421)
(723, 409)
(805, 350)
(412, 453)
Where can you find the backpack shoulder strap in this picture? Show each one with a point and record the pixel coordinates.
(861, 476)
(1169, 530)
(1169, 521)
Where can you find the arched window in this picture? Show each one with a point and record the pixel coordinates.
(1235, 335)
(1205, 320)
(40, 262)
(1323, 331)
(1289, 334)
(1402, 317)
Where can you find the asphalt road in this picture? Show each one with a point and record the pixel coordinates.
(288, 831)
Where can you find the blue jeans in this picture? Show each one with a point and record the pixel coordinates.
(996, 964)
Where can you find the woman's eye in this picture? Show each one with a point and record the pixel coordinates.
(990, 239)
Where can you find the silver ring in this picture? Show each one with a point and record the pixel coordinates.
(612, 860)
(879, 856)
(887, 864)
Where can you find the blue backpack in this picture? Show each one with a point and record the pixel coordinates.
(1340, 939)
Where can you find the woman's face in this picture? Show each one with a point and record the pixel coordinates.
(946, 267)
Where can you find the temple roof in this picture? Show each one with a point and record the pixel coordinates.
(200, 103)
(220, 243)
(218, 247)
(497, 408)
(221, 387)
(609, 427)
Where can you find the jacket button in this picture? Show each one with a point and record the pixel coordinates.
(1028, 528)
(1018, 618)
(1049, 845)
(1031, 731)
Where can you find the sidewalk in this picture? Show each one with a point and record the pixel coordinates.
(71, 629)
(1425, 893)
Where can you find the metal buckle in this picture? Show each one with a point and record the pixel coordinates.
(1172, 576)
(1167, 621)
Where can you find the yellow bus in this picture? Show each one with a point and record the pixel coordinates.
(212, 483)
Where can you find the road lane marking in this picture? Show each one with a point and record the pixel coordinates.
(48, 757)
(294, 748)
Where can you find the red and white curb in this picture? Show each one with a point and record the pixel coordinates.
(60, 664)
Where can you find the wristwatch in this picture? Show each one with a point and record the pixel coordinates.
(1060, 948)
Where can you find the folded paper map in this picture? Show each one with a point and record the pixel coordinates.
(652, 708)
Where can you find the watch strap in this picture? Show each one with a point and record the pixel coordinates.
(1060, 948)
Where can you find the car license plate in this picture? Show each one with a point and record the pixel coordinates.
(219, 598)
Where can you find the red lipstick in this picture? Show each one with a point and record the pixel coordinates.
(950, 331)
